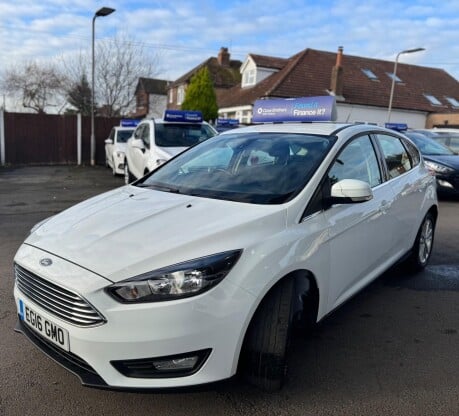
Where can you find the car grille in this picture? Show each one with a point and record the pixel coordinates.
(61, 302)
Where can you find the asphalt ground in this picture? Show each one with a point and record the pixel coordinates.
(391, 350)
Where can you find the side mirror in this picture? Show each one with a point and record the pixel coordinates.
(350, 191)
(108, 141)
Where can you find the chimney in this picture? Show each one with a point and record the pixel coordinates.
(336, 85)
(223, 57)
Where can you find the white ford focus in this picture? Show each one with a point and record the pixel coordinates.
(202, 267)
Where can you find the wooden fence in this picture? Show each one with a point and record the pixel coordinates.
(51, 139)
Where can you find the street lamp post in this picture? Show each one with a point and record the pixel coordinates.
(394, 76)
(104, 11)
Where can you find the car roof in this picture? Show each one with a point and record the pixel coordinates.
(316, 128)
(161, 121)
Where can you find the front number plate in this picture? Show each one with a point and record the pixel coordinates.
(44, 326)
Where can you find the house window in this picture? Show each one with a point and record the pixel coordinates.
(370, 74)
(246, 117)
(452, 101)
(180, 94)
(433, 100)
(171, 96)
(394, 77)
(249, 78)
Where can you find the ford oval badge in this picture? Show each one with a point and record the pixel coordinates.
(46, 262)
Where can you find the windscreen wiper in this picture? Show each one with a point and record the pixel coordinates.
(159, 188)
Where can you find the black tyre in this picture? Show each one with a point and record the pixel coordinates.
(128, 176)
(267, 339)
(423, 244)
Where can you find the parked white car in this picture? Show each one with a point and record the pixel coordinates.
(156, 141)
(203, 266)
(115, 146)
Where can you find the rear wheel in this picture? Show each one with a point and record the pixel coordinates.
(128, 176)
(267, 339)
(423, 244)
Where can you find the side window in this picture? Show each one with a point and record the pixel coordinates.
(146, 135)
(112, 136)
(259, 157)
(357, 161)
(397, 159)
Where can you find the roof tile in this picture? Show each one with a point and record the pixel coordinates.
(308, 73)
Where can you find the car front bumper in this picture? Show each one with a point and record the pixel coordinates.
(214, 321)
(118, 162)
(448, 184)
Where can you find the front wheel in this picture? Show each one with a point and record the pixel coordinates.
(128, 176)
(265, 346)
(423, 244)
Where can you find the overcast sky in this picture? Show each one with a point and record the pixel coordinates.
(184, 33)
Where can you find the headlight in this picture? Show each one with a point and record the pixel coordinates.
(437, 167)
(119, 154)
(175, 282)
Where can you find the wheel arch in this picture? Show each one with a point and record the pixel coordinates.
(305, 290)
(434, 211)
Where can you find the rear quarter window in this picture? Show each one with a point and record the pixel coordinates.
(413, 152)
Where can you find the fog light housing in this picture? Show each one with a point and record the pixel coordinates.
(180, 365)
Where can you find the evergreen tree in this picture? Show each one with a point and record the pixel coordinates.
(79, 96)
(200, 95)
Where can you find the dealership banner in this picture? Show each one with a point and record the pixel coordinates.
(321, 108)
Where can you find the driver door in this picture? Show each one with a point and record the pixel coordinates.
(360, 233)
(109, 148)
(136, 159)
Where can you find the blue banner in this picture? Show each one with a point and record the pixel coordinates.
(295, 109)
(227, 122)
(396, 126)
(183, 115)
(128, 122)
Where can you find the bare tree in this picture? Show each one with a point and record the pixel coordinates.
(120, 62)
(37, 85)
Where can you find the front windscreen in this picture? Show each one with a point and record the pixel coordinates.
(259, 168)
(181, 135)
(124, 135)
(429, 146)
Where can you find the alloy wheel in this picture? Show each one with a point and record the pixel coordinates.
(425, 241)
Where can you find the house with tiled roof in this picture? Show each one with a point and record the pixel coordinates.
(361, 87)
(224, 73)
(151, 97)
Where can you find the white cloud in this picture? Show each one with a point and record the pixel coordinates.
(187, 33)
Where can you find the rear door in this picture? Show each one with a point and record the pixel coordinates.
(408, 185)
